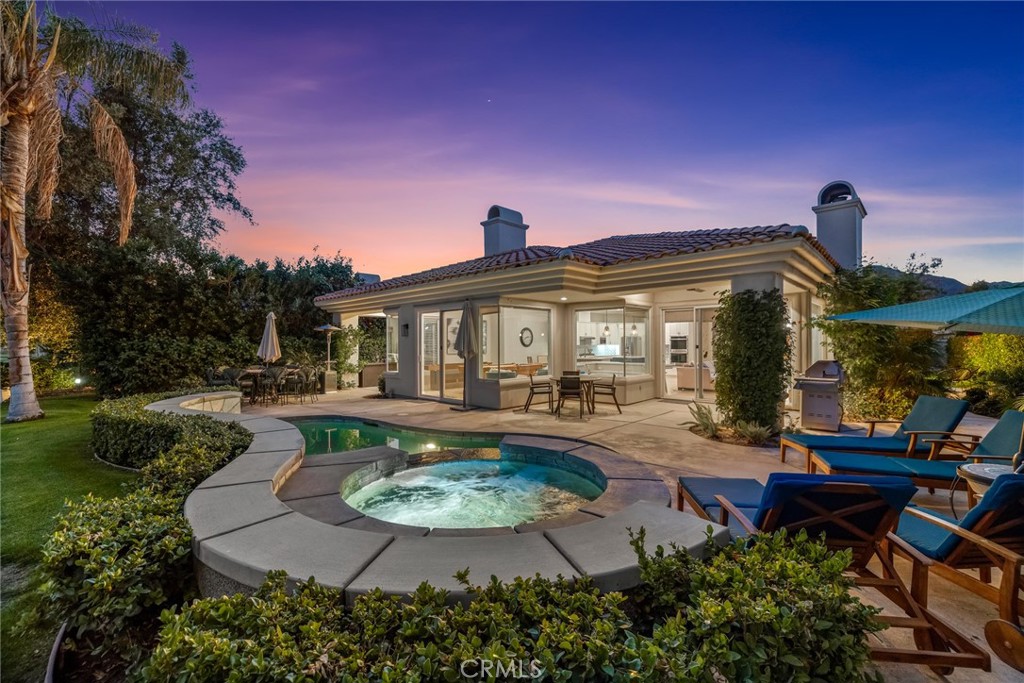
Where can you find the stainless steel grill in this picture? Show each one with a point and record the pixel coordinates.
(821, 384)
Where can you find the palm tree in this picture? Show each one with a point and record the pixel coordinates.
(45, 63)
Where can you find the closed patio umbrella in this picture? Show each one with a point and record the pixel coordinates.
(466, 345)
(999, 311)
(270, 348)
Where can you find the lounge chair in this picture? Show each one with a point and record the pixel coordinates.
(931, 417)
(855, 513)
(1002, 442)
(990, 535)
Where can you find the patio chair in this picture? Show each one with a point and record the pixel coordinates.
(852, 513)
(606, 389)
(310, 383)
(540, 388)
(570, 373)
(931, 417)
(232, 375)
(570, 386)
(991, 535)
(215, 377)
(1002, 442)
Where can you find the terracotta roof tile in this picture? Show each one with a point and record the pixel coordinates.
(603, 252)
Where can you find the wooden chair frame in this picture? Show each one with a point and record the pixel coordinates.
(580, 392)
(975, 551)
(939, 645)
(541, 388)
(600, 388)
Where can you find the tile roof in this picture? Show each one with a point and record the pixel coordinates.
(608, 251)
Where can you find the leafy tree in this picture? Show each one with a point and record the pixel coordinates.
(44, 61)
(887, 368)
(753, 358)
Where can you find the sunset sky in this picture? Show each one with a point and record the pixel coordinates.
(386, 130)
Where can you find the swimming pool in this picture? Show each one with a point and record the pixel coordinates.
(339, 434)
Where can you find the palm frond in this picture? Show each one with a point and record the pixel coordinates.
(44, 145)
(112, 148)
(86, 53)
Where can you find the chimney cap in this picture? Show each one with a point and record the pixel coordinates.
(504, 214)
(837, 191)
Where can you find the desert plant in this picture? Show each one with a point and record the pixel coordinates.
(703, 419)
(753, 433)
(753, 356)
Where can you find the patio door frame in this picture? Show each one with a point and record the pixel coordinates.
(699, 315)
(443, 337)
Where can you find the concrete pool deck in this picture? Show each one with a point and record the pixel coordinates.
(652, 433)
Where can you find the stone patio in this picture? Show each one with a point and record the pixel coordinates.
(652, 433)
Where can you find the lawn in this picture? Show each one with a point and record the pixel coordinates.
(42, 463)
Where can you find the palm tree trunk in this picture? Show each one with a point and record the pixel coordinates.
(14, 268)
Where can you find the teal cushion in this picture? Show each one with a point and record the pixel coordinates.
(841, 461)
(925, 536)
(882, 444)
(931, 469)
(739, 492)
(736, 530)
(1005, 437)
(933, 413)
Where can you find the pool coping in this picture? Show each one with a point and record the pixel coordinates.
(242, 529)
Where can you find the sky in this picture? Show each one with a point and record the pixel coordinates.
(385, 131)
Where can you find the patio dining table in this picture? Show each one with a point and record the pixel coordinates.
(587, 382)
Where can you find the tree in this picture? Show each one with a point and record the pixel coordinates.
(44, 63)
(887, 368)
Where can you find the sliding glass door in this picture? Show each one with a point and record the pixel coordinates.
(442, 372)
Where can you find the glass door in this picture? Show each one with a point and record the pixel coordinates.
(677, 353)
(430, 366)
(704, 355)
(442, 372)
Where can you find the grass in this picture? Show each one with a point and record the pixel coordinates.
(42, 463)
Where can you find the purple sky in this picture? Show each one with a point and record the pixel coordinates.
(386, 130)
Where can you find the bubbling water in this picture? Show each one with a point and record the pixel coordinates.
(474, 494)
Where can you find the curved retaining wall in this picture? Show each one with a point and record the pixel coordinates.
(242, 528)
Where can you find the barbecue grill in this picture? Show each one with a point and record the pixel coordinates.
(821, 384)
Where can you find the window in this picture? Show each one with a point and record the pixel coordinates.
(514, 341)
(612, 341)
(391, 343)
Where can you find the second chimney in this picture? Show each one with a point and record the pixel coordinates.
(504, 230)
(840, 213)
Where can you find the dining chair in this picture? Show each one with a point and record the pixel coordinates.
(605, 389)
(570, 386)
(540, 388)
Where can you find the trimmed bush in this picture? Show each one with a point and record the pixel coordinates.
(778, 609)
(753, 357)
(112, 565)
(125, 433)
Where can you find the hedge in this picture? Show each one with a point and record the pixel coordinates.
(112, 565)
(125, 433)
(775, 610)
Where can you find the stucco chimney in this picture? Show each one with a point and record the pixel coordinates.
(504, 230)
(840, 214)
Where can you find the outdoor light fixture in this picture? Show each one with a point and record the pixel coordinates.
(563, 298)
(78, 380)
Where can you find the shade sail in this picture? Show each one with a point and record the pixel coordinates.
(999, 311)
(270, 348)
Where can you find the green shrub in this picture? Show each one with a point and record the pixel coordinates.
(753, 356)
(753, 433)
(182, 468)
(382, 385)
(112, 565)
(778, 609)
(125, 433)
(887, 368)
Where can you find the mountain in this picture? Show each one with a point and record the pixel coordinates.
(943, 285)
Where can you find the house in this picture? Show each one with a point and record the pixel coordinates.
(637, 306)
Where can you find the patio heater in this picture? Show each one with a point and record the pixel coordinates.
(330, 377)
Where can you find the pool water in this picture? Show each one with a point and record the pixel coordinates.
(474, 494)
(335, 435)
